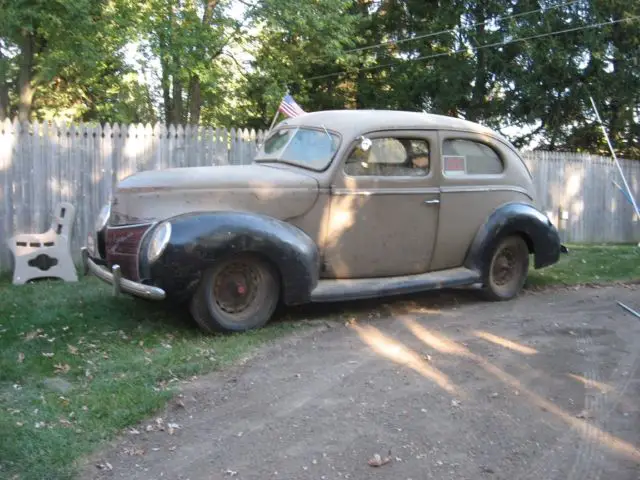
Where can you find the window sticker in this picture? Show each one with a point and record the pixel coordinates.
(455, 164)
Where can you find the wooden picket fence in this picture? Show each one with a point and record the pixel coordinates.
(42, 164)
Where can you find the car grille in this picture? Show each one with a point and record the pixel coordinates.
(122, 248)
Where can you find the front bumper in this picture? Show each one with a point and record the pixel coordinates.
(119, 284)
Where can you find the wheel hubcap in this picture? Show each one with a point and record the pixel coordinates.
(236, 287)
(504, 267)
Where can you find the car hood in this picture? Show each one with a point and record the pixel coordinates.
(153, 195)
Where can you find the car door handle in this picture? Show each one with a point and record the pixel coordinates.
(432, 202)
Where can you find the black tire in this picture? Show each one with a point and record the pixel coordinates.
(507, 271)
(240, 293)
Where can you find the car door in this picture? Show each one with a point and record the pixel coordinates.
(384, 205)
(477, 177)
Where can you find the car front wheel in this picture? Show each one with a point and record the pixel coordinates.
(507, 272)
(239, 293)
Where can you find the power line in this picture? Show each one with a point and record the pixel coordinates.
(489, 45)
(435, 34)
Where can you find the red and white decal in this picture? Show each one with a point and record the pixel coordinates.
(455, 164)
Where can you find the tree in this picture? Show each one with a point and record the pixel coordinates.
(295, 41)
(59, 50)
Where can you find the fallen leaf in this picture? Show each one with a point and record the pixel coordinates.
(31, 335)
(72, 350)
(48, 355)
(134, 451)
(172, 427)
(377, 461)
(584, 414)
(65, 422)
(62, 367)
(20, 357)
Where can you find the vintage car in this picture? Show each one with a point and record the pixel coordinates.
(337, 205)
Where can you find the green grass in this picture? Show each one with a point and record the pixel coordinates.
(591, 264)
(120, 358)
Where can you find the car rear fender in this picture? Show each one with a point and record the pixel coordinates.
(200, 239)
(522, 219)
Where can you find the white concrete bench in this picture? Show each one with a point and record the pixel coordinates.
(48, 254)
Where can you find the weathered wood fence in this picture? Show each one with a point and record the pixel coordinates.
(42, 164)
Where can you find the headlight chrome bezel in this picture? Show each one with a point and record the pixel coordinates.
(103, 217)
(158, 241)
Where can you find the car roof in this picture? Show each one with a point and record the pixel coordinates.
(356, 122)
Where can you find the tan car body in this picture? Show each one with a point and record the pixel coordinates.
(362, 226)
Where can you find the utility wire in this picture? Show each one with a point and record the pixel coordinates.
(435, 34)
(489, 45)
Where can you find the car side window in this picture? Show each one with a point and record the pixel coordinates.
(468, 157)
(390, 157)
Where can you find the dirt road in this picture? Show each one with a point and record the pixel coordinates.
(448, 387)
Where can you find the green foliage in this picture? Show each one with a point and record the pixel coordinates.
(464, 58)
(68, 54)
(591, 264)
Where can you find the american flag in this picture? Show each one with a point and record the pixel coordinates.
(289, 107)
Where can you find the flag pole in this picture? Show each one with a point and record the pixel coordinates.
(274, 120)
(615, 158)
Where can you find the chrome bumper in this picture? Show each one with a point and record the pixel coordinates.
(119, 284)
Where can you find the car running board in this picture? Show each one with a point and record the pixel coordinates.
(361, 288)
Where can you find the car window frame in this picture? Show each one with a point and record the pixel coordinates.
(488, 141)
(430, 136)
(330, 162)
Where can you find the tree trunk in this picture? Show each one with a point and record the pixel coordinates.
(26, 77)
(4, 88)
(479, 92)
(195, 100)
(166, 91)
(208, 11)
(176, 94)
(195, 86)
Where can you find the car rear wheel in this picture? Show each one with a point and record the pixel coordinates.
(508, 269)
(240, 293)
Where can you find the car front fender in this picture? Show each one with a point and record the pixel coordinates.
(523, 219)
(200, 239)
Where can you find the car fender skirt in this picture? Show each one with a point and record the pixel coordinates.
(199, 239)
(515, 218)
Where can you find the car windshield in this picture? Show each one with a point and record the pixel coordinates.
(305, 147)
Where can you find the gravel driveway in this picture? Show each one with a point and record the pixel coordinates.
(443, 386)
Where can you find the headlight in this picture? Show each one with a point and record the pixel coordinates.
(159, 241)
(103, 217)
